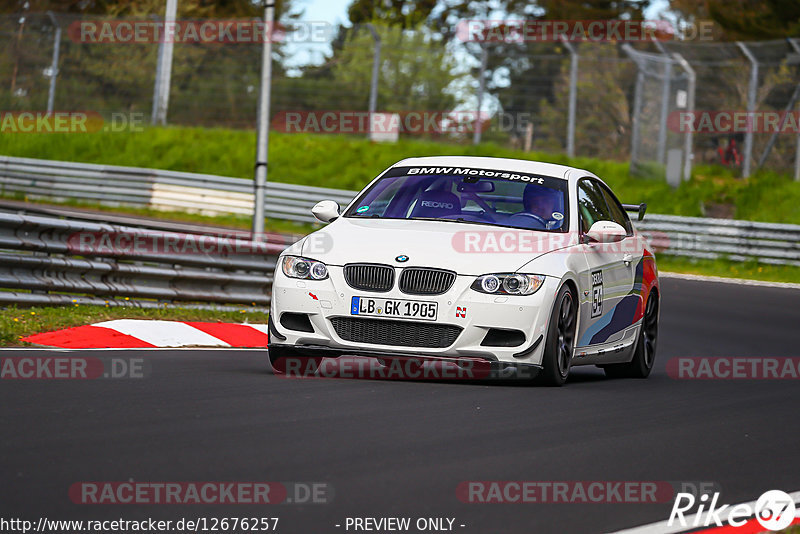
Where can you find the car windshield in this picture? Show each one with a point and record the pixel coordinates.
(477, 196)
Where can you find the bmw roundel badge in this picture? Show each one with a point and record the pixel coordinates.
(401, 258)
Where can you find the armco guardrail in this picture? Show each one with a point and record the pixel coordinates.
(688, 236)
(699, 237)
(158, 189)
(58, 261)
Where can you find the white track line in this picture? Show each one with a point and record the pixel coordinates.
(260, 327)
(163, 333)
(662, 527)
(722, 279)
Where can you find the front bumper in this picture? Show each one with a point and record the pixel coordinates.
(398, 365)
(473, 312)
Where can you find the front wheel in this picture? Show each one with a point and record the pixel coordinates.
(560, 341)
(645, 353)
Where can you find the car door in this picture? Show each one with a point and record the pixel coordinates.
(631, 248)
(606, 311)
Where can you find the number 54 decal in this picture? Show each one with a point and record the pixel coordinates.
(597, 293)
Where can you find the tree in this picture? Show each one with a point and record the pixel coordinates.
(603, 111)
(415, 70)
(744, 19)
(402, 13)
(211, 83)
(136, 8)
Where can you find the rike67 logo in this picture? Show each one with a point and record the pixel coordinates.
(774, 510)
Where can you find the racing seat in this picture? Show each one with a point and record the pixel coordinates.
(437, 203)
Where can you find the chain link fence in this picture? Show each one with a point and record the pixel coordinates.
(605, 100)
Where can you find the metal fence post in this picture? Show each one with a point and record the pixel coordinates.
(573, 96)
(797, 160)
(157, 80)
(637, 106)
(262, 140)
(635, 126)
(165, 63)
(751, 107)
(376, 64)
(795, 43)
(688, 153)
(476, 135)
(789, 107)
(53, 71)
(662, 123)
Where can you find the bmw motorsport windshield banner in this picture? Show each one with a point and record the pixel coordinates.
(473, 175)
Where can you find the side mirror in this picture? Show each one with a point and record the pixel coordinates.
(638, 208)
(606, 232)
(325, 211)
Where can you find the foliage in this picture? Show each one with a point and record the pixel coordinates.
(744, 19)
(415, 70)
(603, 118)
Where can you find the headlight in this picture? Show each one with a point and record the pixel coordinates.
(304, 268)
(508, 283)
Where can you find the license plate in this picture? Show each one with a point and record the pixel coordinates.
(409, 309)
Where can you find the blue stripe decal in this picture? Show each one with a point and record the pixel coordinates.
(596, 327)
(622, 318)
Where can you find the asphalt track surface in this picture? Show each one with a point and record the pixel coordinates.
(400, 448)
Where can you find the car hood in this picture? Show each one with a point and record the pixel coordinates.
(468, 249)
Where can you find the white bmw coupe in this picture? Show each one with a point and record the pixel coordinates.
(518, 264)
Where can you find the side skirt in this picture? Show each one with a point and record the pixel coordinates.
(620, 351)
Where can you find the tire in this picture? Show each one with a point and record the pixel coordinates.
(645, 354)
(560, 341)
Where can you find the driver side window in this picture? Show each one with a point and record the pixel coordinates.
(591, 205)
(617, 212)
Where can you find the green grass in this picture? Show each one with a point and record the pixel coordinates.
(751, 270)
(347, 162)
(18, 323)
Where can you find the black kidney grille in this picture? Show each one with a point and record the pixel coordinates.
(424, 281)
(396, 333)
(369, 277)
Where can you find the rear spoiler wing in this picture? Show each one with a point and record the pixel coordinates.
(640, 208)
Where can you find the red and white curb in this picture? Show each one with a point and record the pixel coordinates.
(135, 333)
